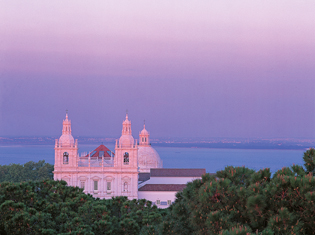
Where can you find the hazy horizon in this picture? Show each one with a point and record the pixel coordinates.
(206, 69)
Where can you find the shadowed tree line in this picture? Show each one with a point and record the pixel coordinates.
(51, 207)
(241, 201)
(237, 201)
(29, 171)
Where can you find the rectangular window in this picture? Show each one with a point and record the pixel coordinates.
(82, 185)
(158, 202)
(101, 154)
(109, 186)
(169, 202)
(125, 187)
(95, 185)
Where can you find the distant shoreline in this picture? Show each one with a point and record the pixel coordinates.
(220, 143)
(231, 146)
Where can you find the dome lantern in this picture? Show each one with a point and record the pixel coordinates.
(144, 137)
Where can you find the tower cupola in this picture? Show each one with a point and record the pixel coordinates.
(66, 126)
(66, 139)
(126, 126)
(126, 139)
(144, 137)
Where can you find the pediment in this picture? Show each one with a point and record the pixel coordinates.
(126, 178)
(83, 178)
(95, 178)
(109, 178)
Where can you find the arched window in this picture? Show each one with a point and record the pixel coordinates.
(126, 158)
(65, 158)
(125, 189)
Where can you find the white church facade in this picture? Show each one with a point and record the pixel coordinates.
(134, 170)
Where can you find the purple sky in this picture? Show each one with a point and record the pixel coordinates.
(189, 68)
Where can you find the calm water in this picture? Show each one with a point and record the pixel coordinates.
(211, 159)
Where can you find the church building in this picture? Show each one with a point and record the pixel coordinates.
(134, 170)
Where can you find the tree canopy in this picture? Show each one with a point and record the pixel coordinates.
(237, 200)
(51, 207)
(241, 201)
(29, 171)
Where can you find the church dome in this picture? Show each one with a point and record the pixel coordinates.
(126, 140)
(66, 140)
(148, 158)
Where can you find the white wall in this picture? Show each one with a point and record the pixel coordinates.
(170, 180)
(152, 196)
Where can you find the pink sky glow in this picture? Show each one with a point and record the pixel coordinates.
(228, 68)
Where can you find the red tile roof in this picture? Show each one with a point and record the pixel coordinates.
(176, 172)
(95, 152)
(162, 187)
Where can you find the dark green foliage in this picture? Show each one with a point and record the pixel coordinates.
(309, 159)
(237, 176)
(237, 201)
(176, 221)
(237, 230)
(51, 207)
(29, 171)
(242, 201)
(285, 223)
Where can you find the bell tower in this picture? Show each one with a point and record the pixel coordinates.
(126, 161)
(66, 151)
